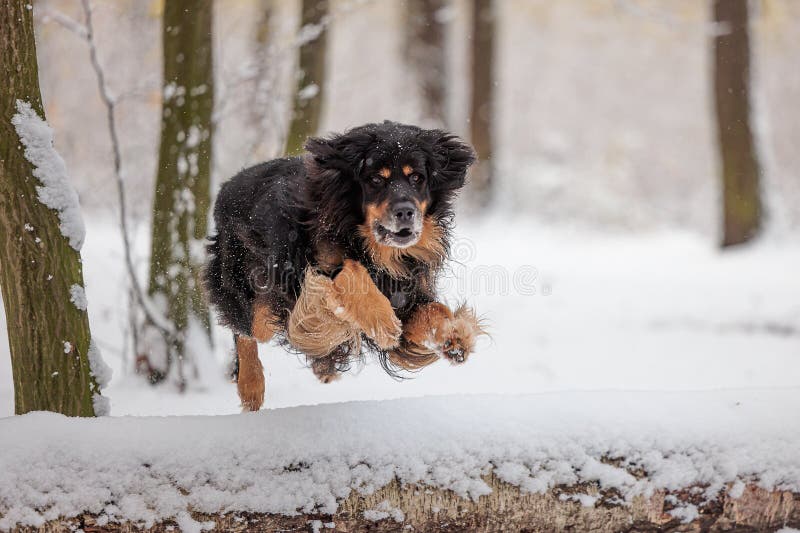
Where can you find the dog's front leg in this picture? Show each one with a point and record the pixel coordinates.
(359, 302)
(448, 334)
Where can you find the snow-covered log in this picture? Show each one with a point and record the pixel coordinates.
(567, 461)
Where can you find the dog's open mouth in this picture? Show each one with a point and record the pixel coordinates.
(399, 239)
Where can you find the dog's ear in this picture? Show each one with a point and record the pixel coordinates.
(343, 152)
(451, 158)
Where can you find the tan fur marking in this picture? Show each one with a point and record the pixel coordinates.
(314, 327)
(375, 213)
(263, 323)
(435, 331)
(385, 173)
(412, 360)
(429, 249)
(407, 170)
(426, 319)
(250, 382)
(361, 304)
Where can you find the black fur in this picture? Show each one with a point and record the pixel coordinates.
(271, 218)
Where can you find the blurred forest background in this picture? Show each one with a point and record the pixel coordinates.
(603, 111)
(602, 118)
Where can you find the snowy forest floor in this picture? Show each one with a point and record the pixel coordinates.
(654, 349)
(567, 310)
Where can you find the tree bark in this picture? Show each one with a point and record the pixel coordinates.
(481, 101)
(309, 92)
(426, 54)
(182, 193)
(740, 167)
(48, 334)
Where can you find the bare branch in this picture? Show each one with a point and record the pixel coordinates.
(152, 316)
(66, 22)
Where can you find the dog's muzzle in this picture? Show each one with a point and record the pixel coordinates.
(401, 226)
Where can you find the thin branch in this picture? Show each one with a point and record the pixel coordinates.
(150, 314)
(64, 21)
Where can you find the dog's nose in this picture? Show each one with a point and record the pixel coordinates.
(404, 212)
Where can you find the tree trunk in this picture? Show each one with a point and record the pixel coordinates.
(40, 268)
(310, 75)
(740, 167)
(481, 102)
(182, 195)
(425, 53)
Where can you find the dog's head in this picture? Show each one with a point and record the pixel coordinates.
(400, 179)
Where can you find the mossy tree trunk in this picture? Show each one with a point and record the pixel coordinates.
(426, 54)
(48, 334)
(481, 100)
(182, 192)
(308, 97)
(739, 161)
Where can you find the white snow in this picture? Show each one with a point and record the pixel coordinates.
(306, 459)
(101, 405)
(77, 295)
(704, 343)
(685, 513)
(586, 500)
(56, 191)
(383, 511)
(100, 370)
(187, 524)
(656, 311)
(309, 91)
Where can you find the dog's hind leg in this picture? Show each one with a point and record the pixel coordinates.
(250, 381)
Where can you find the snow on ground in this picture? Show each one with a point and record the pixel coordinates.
(655, 347)
(308, 458)
(568, 310)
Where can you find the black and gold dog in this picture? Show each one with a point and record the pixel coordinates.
(339, 249)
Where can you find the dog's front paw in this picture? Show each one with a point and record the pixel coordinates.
(386, 330)
(455, 339)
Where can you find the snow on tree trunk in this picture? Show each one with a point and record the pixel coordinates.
(182, 193)
(55, 365)
(481, 112)
(312, 40)
(426, 54)
(738, 158)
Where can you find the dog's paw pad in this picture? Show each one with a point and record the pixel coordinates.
(455, 350)
(456, 338)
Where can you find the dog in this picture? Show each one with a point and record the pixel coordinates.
(336, 252)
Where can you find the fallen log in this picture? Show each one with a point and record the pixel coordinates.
(418, 508)
(716, 461)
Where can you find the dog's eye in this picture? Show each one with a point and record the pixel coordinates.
(415, 178)
(377, 181)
